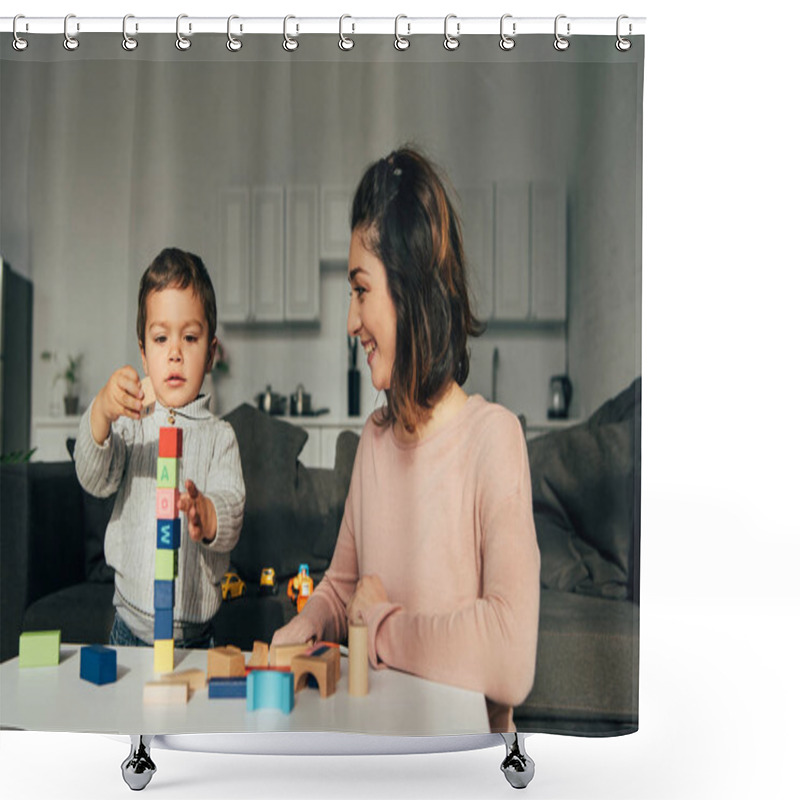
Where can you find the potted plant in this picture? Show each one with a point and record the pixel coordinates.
(70, 375)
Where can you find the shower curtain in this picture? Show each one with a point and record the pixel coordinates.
(250, 157)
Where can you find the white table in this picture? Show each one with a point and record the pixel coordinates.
(56, 699)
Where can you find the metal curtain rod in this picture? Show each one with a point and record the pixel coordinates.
(454, 26)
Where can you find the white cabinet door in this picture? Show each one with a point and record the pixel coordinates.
(302, 254)
(512, 252)
(310, 455)
(335, 203)
(233, 283)
(548, 301)
(268, 249)
(477, 215)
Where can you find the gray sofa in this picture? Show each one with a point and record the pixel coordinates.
(585, 482)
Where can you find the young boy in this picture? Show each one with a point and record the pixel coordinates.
(117, 451)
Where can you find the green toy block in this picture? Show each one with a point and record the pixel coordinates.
(166, 565)
(39, 648)
(167, 473)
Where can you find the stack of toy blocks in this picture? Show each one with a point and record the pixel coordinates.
(170, 450)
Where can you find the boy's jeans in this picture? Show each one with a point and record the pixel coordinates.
(122, 636)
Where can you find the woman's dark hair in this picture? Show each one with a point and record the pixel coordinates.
(407, 220)
(176, 268)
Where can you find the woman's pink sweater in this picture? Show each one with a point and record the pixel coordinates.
(447, 525)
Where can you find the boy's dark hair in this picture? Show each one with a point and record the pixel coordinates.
(402, 208)
(177, 268)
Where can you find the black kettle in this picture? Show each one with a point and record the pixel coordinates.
(560, 395)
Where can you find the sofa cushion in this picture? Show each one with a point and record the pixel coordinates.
(83, 613)
(96, 514)
(282, 518)
(585, 483)
(587, 667)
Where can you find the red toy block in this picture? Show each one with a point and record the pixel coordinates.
(170, 442)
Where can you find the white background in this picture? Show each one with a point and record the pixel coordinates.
(720, 603)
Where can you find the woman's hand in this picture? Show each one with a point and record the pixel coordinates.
(297, 631)
(369, 592)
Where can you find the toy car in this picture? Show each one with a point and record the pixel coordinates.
(266, 584)
(232, 586)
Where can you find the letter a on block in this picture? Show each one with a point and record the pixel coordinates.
(167, 474)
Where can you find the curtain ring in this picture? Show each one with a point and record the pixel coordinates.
(182, 43)
(400, 42)
(451, 42)
(345, 43)
(622, 44)
(233, 44)
(128, 42)
(290, 43)
(560, 42)
(70, 42)
(19, 44)
(507, 42)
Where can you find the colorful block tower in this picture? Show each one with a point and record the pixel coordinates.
(168, 532)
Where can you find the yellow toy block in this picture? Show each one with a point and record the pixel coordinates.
(165, 693)
(39, 648)
(167, 473)
(164, 655)
(166, 565)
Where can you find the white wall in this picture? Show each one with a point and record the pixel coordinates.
(126, 158)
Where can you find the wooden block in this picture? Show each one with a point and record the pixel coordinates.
(39, 648)
(98, 664)
(321, 664)
(359, 660)
(166, 565)
(225, 662)
(149, 401)
(162, 627)
(169, 533)
(170, 442)
(165, 693)
(260, 655)
(337, 656)
(227, 687)
(281, 655)
(163, 655)
(167, 503)
(267, 688)
(194, 678)
(164, 594)
(167, 473)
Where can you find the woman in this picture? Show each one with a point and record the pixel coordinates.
(437, 550)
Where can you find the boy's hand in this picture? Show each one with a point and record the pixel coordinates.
(121, 396)
(201, 516)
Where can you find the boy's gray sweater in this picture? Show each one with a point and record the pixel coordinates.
(126, 463)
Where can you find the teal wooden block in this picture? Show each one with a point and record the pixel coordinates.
(39, 648)
(269, 688)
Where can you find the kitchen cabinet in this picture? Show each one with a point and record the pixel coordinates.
(334, 235)
(49, 437)
(530, 278)
(515, 240)
(320, 447)
(269, 254)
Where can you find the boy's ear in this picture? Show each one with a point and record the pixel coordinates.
(144, 359)
(212, 350)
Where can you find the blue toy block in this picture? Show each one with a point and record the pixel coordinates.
(267, 688)
(163, 624)
(164, 594)
(227, 687)
(98, 664)
(169, 534)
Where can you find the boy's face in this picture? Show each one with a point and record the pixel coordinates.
(176, 353)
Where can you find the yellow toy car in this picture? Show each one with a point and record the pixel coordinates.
(266, 584)
(232, 586)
